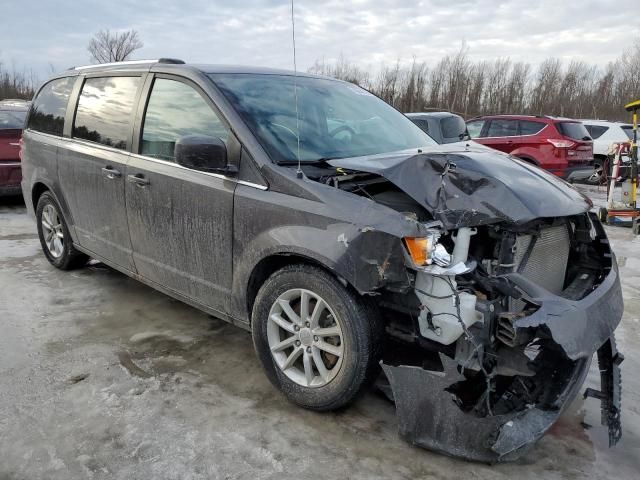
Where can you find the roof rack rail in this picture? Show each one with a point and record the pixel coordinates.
(531, 115)
(130, 62)
(176, 61)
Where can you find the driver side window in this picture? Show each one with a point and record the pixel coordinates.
(176, 110)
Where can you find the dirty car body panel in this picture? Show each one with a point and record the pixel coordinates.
(494, 284)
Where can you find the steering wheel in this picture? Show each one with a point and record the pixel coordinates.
(341, 128)
(285, 128)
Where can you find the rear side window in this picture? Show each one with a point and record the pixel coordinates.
(453, 127)
(49, 107)
(530, 128)
(104, 110)
(423, 124)
(628, 129)
(475, 128)
(503, 128)
(596, 131)
(573, 130)
(12, 119)
(176, 110)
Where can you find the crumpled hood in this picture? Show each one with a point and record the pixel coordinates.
(466, 185)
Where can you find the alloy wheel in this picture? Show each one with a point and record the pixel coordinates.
(596, 177)
(305, 338)
(52, 231)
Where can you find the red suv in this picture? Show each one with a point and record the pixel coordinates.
(12, 114)
(559, 145)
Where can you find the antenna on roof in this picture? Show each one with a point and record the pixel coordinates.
(295, 87)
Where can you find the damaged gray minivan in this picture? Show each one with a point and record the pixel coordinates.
(310, 212)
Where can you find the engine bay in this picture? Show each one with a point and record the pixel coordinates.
(474, 327)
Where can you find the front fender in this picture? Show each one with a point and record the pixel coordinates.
(358, 240)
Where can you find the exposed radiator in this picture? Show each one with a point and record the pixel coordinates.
(546, 263)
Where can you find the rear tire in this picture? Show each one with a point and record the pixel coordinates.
(55, 239)
(597, 176)
(304, 370)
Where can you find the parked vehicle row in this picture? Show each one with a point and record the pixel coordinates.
(561, 146)
(575, 150)
(318, 217)
(12, 116)
(605, 135)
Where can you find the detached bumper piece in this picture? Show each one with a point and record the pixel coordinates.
(496, 418)
(610, 393)
(429, 417)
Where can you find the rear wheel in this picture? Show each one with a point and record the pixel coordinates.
(597, 176)
(317, 341)
(54, 235)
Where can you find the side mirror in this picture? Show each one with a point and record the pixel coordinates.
(204, 153)
(465, 136)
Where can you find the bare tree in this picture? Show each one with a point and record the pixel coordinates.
(343, 70)
(15, 84)
(458, 84)
(107, 46)
(387, 84)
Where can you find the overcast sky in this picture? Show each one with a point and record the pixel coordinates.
(35, 34)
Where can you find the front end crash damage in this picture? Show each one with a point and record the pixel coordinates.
(494, 335)
(498, 414)
(518, 328)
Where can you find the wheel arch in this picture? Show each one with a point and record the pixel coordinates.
(38, 189)
(270, 264)
(36, 192)
(599, 157)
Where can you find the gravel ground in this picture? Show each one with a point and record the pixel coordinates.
(102, 377)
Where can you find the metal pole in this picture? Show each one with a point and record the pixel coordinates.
(634, 160)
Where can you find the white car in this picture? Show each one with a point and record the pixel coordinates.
(604, 134)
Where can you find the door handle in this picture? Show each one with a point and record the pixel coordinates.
(138, 179)
(111, 173)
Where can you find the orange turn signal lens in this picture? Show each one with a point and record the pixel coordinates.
(418, 249)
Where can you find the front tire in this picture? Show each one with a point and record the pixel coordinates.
(55, 239)
(318, 342)
(603, 214)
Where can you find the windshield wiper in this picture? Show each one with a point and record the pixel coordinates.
(307, 162)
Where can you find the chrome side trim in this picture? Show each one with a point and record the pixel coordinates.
(251, 184)
(151, 159)
(215, 175)
(10, 164)
(99, 146)
(48, 137)
(515, 136)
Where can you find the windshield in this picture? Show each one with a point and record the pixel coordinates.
(12, 119)
(335, 119)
